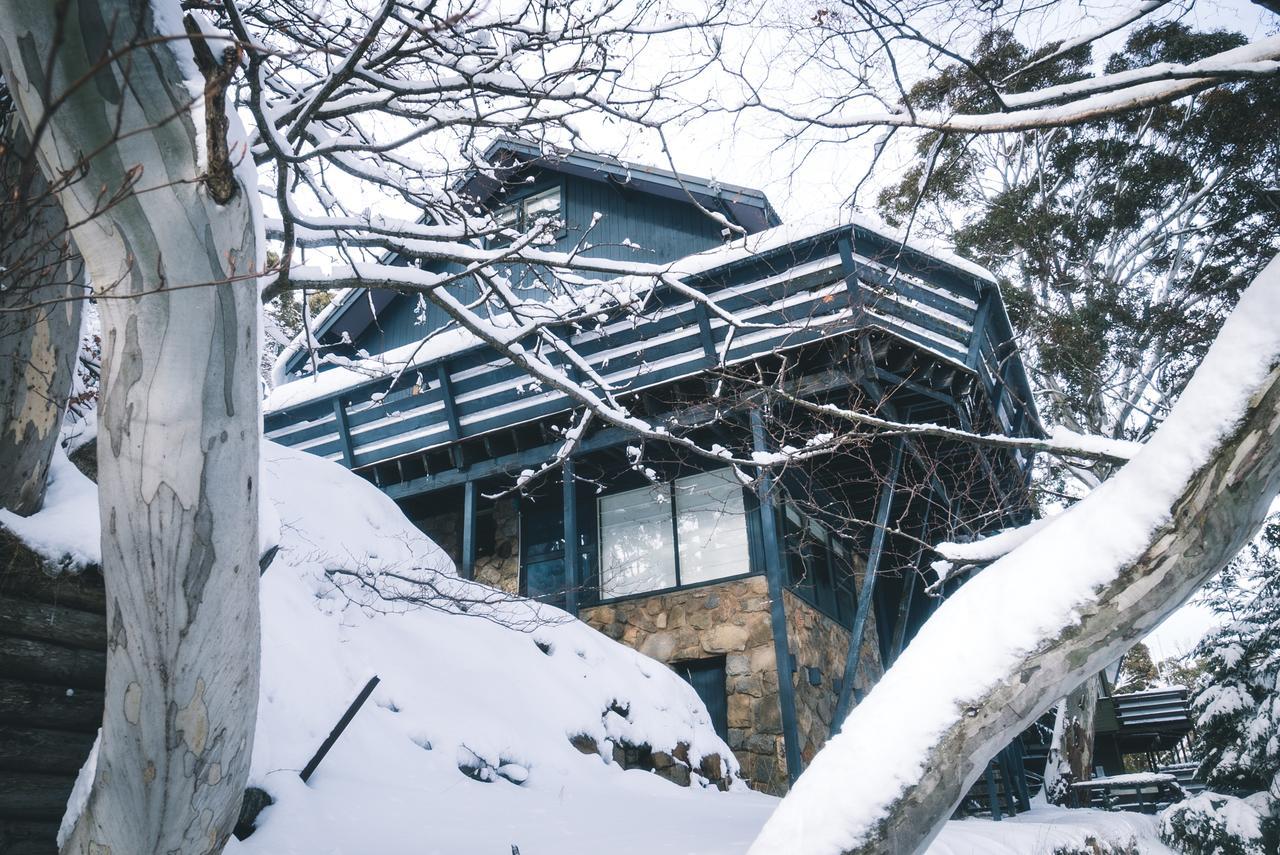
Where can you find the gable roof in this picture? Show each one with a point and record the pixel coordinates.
(743, 206)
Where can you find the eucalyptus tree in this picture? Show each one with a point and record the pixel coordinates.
(126, 106)
(356, 108)
(40, 287)
(1123, 242)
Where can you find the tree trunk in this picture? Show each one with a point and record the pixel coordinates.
(178, 436)
(1032, 626)
(1071, 753)
(39, 273)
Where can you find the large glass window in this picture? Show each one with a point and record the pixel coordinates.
(692, 530)
(636, 542)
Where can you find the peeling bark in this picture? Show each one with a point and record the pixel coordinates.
(1227, 477)
(1071, 752)
(39, 273)
(178, 438)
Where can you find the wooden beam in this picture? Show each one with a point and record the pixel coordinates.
(344, 432)
(850, 269)
(884, 506)
(329, 741)
(908, 591)
(469, 495)
(451, 414)
(974, 357)
(572, 574)
(774, 570)
(705, 335)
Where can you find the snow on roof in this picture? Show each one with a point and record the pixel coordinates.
(788, 233)
(337, 379)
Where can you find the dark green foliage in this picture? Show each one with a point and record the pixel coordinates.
(1122, 244)
(1137, 672)
(1237, 708)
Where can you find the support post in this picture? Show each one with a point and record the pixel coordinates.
(884, 506)
(572, 580)
(451, 414)
(344, 433)
(469, 495)
(329, 741)
(777, 608)
(908, 591)
(974, 358)
(850, 269)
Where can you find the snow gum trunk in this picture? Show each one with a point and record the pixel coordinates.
(39, 328)
(178, 442)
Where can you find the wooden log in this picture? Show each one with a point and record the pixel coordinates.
(19, 837)
(23, 703)
(34, 797)
(36, 749)
(59, 624)
(44, 662)
(25, 575)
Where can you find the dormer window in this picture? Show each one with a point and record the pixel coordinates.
(525, 213)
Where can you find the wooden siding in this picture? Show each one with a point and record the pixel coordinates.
(662, 229)
(798, 294)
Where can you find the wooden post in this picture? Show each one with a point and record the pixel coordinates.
(344, 433)
(884, 506)
(974, 358)
(469, 511)
(908, 591)
(572, 580)
(451, 414)
(993, 797)
(774, 571)
(850, 269)
(314, 762)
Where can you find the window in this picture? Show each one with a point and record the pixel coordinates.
(692, 530)
(524, 214)
(819, 567)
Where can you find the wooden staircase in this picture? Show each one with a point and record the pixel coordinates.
(1013, 776)
(53, 639)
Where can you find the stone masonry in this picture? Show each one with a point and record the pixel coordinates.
(818, 642)
(501, 567)
(732, 619)
(729, 619)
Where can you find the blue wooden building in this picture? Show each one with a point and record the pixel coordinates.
(780, 600)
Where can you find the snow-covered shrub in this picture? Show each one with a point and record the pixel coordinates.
(1237, 707)
(1216, 824)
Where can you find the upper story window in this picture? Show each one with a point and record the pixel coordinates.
(690, 530)
(524, 214)
(819, 564)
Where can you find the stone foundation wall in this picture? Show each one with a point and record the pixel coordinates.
(729, 619)
(818, 642)
(500, 568)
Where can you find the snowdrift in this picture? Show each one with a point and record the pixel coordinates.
(468, 742)
(467, 745)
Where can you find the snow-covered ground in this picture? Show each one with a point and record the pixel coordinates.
(499, 690)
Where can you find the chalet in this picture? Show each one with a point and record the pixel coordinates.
(780, 601)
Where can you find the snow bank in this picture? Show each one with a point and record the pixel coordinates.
(66, 529)
(464, 690)
(499, 691)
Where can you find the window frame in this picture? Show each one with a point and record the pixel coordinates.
(670, 484)
(808, 588)
(518, 203)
